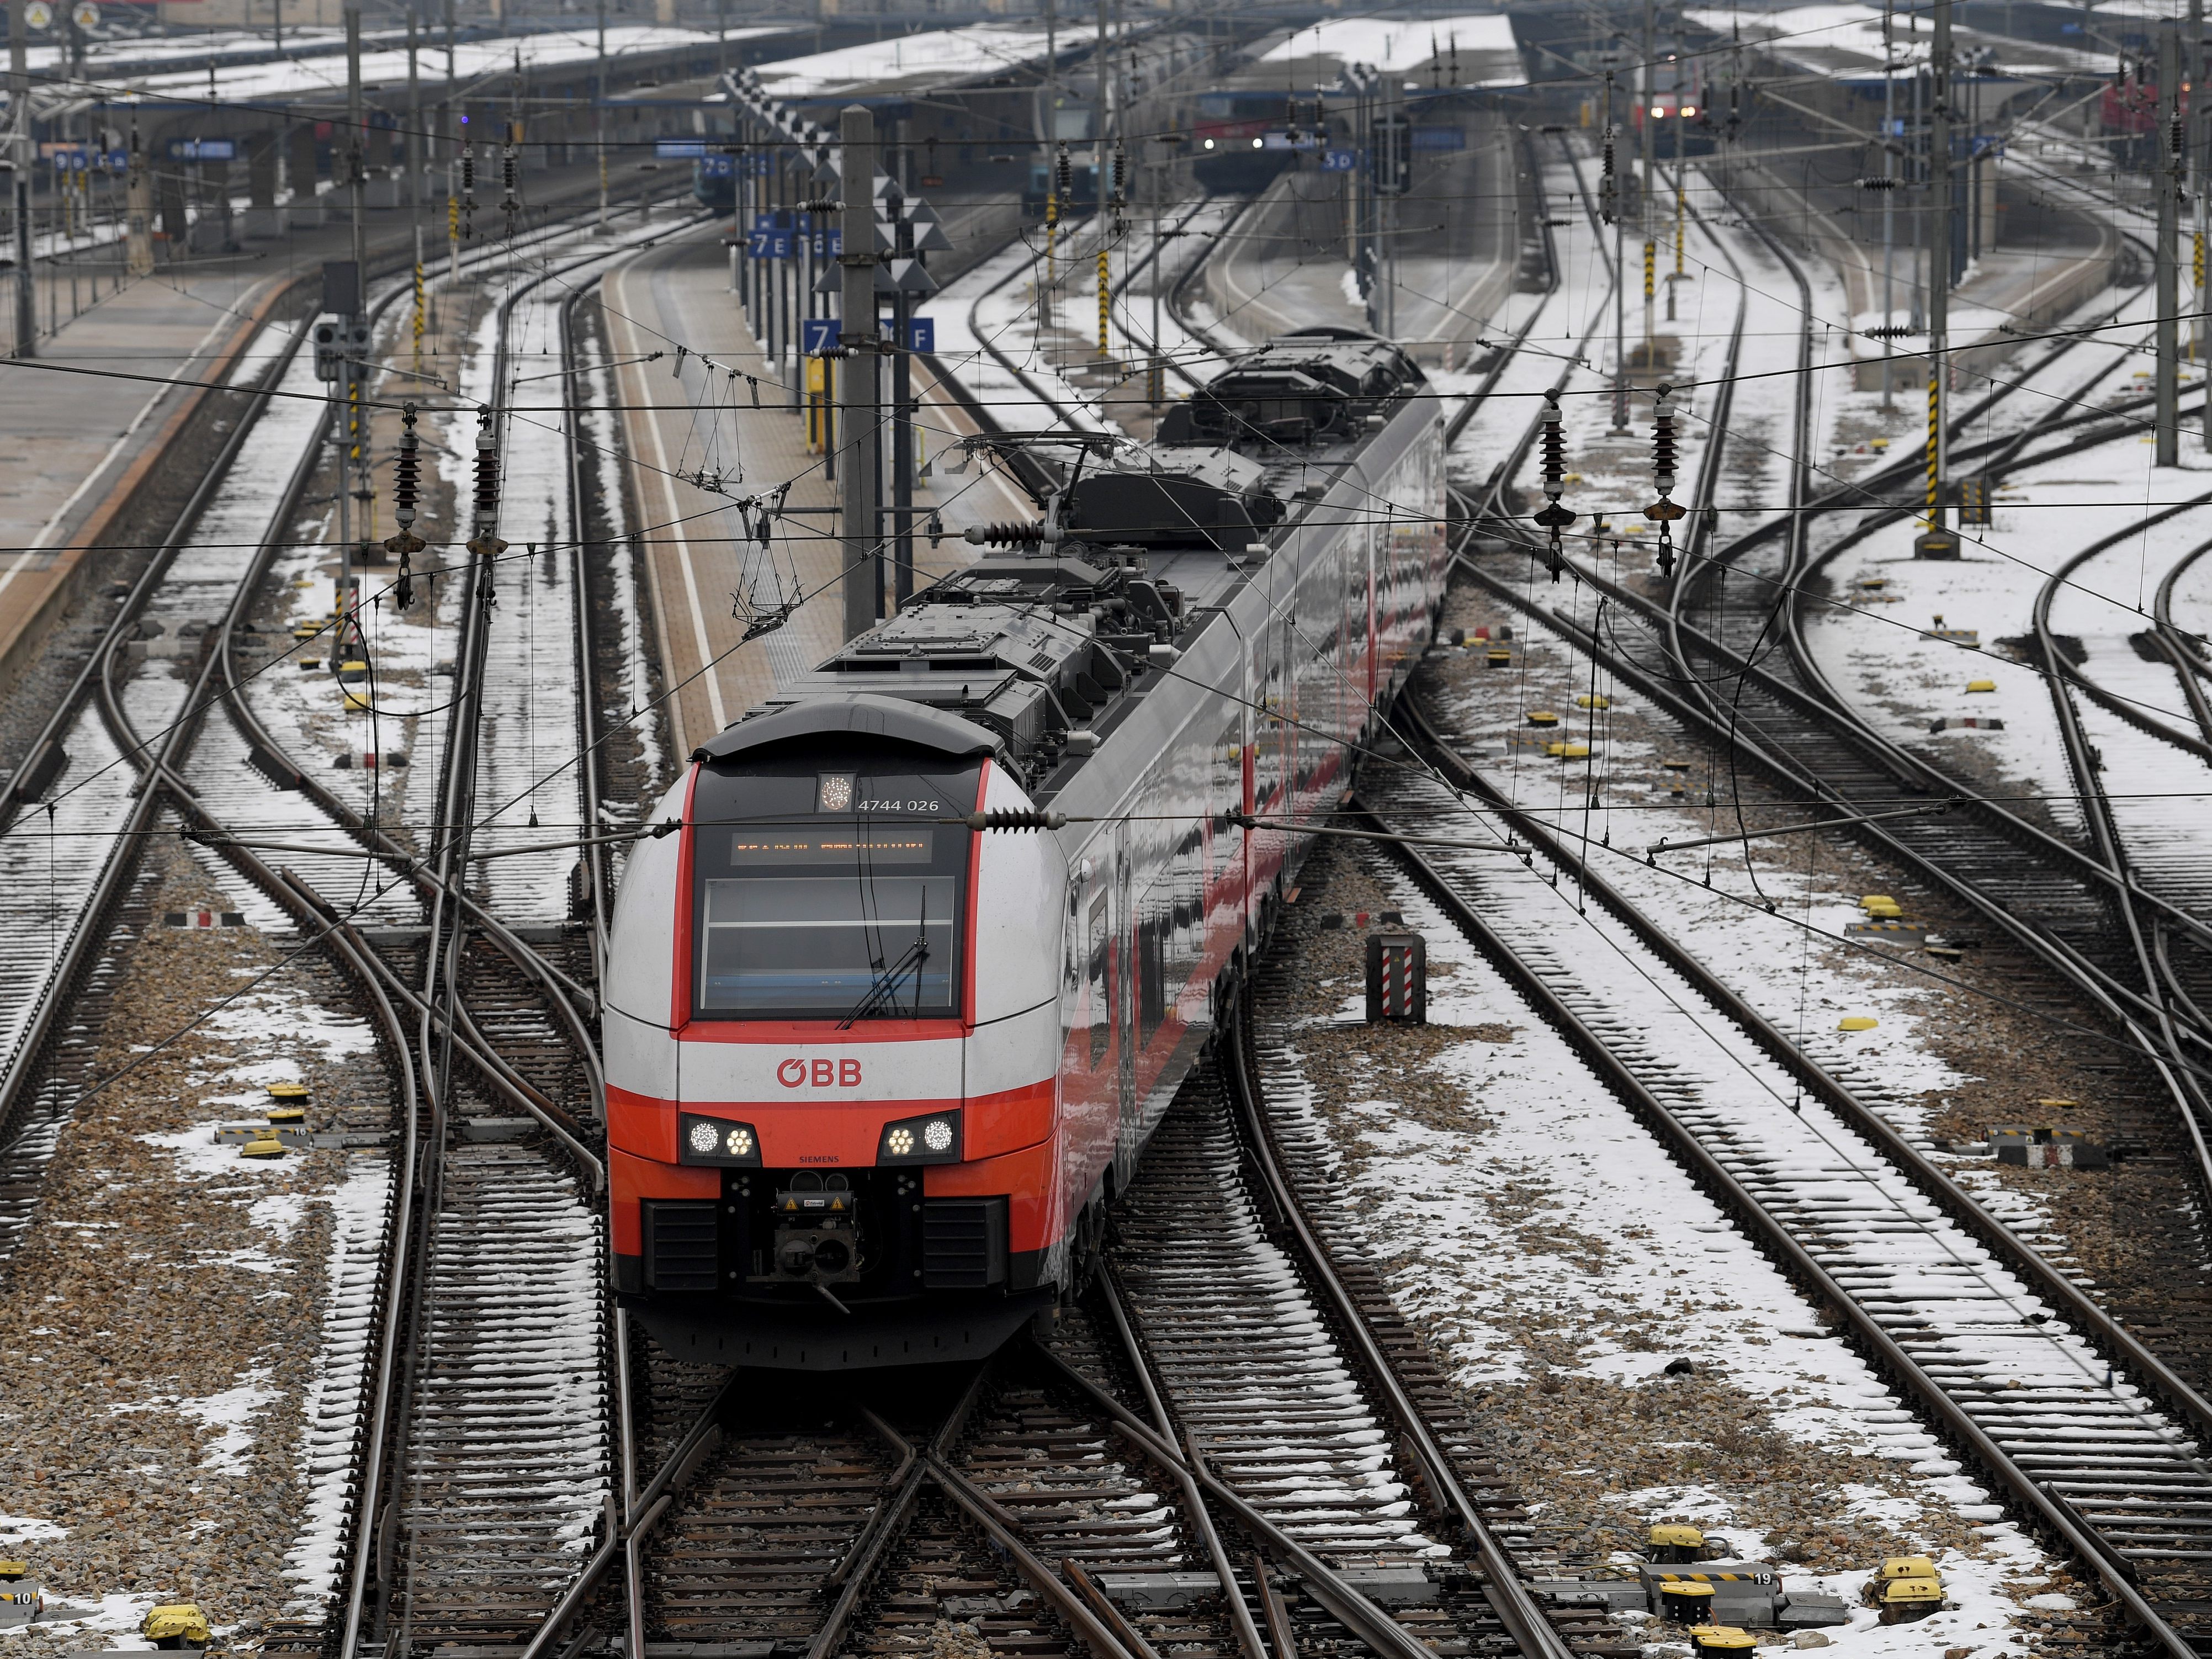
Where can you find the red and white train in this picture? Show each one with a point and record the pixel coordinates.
(875, 1070)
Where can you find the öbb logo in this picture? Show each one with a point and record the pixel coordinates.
(797, 1074)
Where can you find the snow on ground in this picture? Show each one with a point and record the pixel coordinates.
(1394, 45)
(1561, 1264)
(929, 57)
(993, 309)
(178, 1289)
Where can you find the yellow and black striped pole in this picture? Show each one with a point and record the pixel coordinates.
(1650, 267)
(1105, 298)
(1935, 444)
(1045, 307)
(2196, 288)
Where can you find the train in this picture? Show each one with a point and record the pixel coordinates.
(889, 1019)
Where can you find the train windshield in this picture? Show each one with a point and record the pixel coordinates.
(835, 892)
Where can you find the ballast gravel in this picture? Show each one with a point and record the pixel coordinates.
(165, 1306)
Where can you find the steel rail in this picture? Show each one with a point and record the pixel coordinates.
(2116, 999)
(88, 938)
(1509, 1597)
(1411, 719)
(1795, 524)
(44, 753)
(595, 860)
(1910, 769)
(2150, 953)
(2054, 1513)
(638, 1512)
(1153, 257)
(2061, 667)
(1344, 1601)
(1224, 1571)
(2184, 649)
(1485, 501)
(1178, 306)
(439, 1003)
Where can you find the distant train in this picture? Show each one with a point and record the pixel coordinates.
(883, 1039)
(1079, 201)
(714, 183)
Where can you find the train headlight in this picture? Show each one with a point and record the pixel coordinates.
(717, 1141)
(934, 1139)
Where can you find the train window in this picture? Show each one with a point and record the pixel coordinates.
(829, 946)
(1101, 1009)
(829, 893)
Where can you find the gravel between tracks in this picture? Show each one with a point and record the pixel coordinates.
(2008, 1037)
(165, 1307)
(1557, 1263)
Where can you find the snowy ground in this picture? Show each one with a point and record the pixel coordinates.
(1560, 1263)
(174, 1296)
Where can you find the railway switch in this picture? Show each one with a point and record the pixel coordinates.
(1397, 978)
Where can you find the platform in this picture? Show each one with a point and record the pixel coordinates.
(78, 444)
(698, 560)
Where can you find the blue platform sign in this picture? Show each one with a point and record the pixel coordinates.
(679, 150)
(817, 334)
(75, 158)
(769, 245)
(922, 334)
(203, 150)
(718, 166)
(1339, 161)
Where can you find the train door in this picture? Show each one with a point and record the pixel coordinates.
(1124, 970)
(1090, 1096)
(1287, 714)
(1367, 563)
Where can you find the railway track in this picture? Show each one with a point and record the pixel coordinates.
(2012, 1365)
(845, 1516)
(75, 819)
(2135, 1513)
(462, 1431)
(1772, 709)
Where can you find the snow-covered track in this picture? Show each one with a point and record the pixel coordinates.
(1775, 711)
(2035, 1402)
(1271, 1351)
